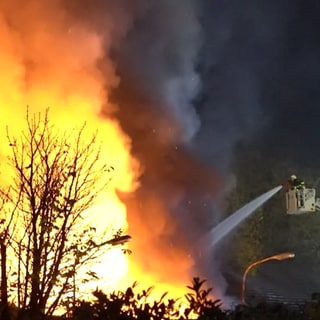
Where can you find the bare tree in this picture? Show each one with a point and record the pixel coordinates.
(57, 177)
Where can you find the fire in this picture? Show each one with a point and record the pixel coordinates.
(48, 59)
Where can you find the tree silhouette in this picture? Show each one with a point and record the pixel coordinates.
(201, 304)
(130, 305)
(56, 177)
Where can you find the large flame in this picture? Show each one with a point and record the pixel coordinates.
(48, 59)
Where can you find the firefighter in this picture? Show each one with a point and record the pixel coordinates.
(295, 183)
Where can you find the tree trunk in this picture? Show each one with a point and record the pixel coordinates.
(35, 309)
(4, 286)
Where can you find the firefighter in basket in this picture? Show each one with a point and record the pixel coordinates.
(294, 183)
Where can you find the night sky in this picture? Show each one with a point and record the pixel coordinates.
(261, 79)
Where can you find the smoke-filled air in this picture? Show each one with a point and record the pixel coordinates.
(171, 87)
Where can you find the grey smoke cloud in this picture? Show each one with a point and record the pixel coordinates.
(162, 49)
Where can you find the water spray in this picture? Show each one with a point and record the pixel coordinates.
(227, 225)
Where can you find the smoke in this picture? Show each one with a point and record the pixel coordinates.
(180, 195)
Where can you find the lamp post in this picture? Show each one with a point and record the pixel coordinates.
(278, 257)
(115, 241)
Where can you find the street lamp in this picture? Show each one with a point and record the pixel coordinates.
(278, 257)
(115, 241)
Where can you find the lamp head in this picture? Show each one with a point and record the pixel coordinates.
(284, 256)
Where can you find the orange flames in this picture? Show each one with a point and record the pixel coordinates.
(48, 59)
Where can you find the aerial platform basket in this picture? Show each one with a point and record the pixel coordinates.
(302, 200)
